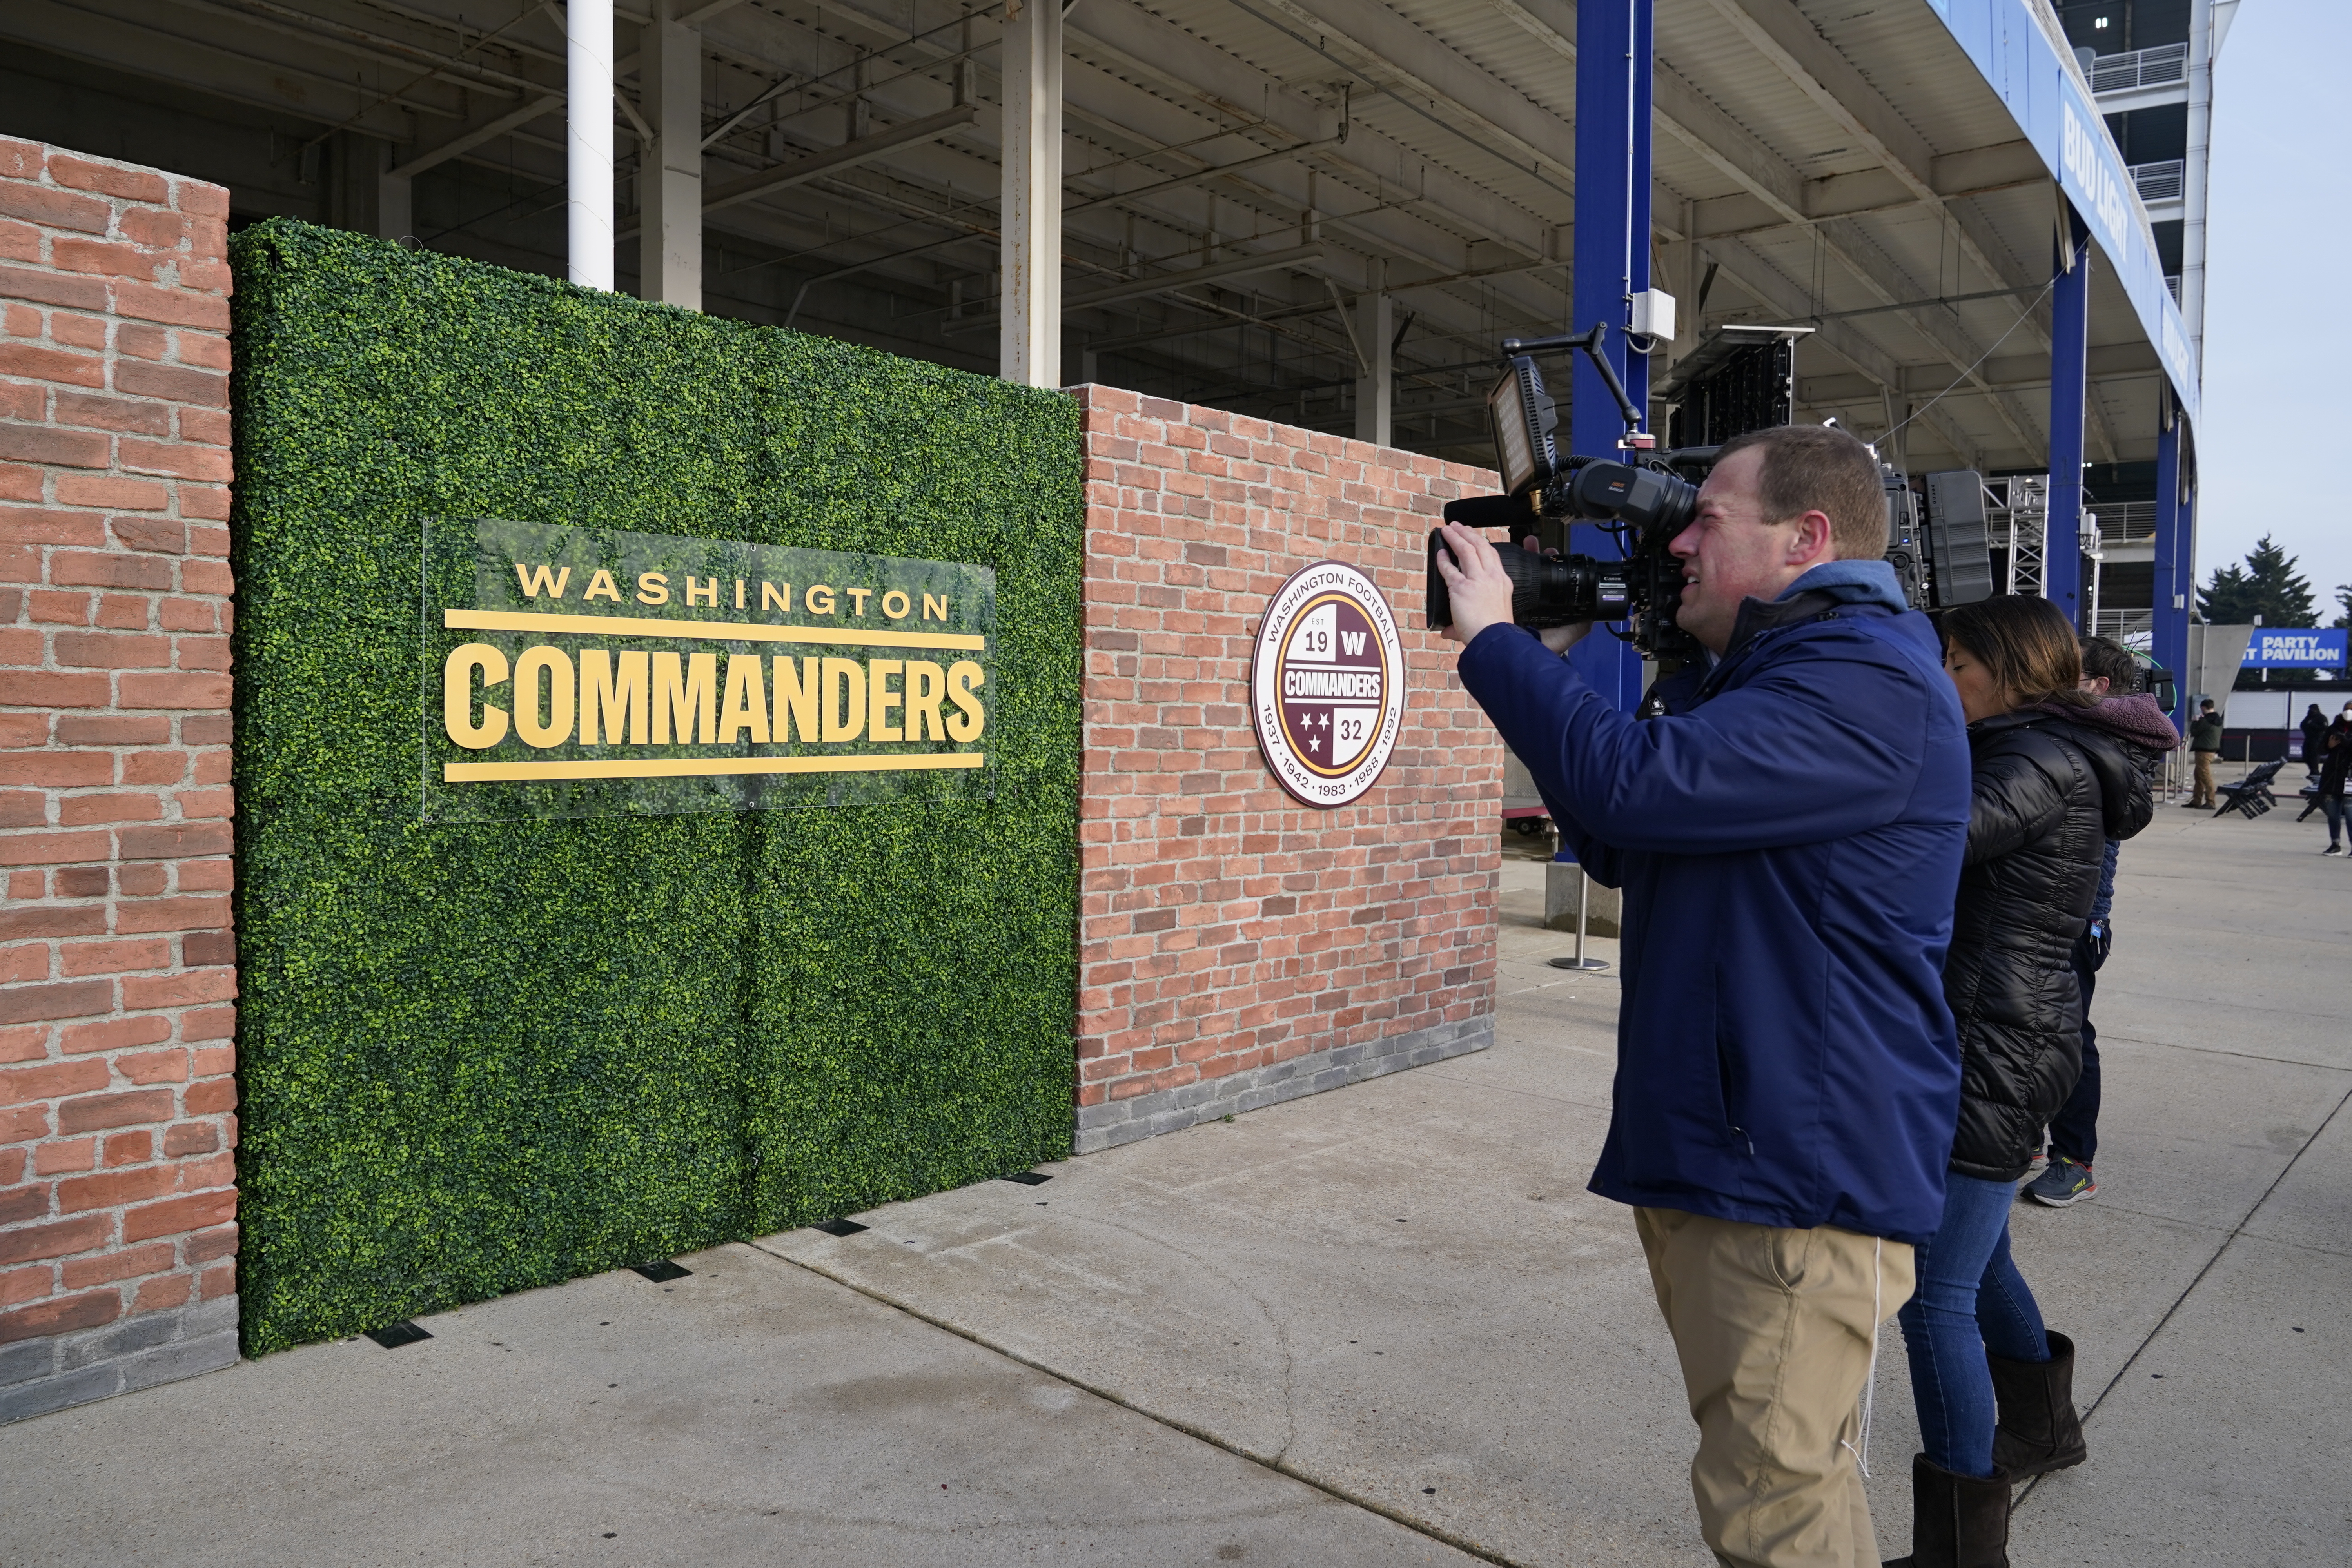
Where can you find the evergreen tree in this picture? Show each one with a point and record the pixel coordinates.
(2267, 586)
(2343, 597)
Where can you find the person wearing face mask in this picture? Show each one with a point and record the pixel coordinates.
(2050, 785)
(1788, 835)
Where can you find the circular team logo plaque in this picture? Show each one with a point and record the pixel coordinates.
(1326, 684)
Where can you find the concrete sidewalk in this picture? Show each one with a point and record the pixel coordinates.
(1383, 1325)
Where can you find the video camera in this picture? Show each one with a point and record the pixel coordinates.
(1646, 497)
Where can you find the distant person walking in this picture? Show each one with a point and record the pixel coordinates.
(2205, 743)
(2315, 740)
(2132, 717)
(2334, 763)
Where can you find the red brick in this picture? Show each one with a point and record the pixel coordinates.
(51, 525)
(66, 1155)
(204, 1246)
(207, 577)
(205, 914)
(85, 569)
(27, 1284)
(131, 185)
(82, 882)
(125, 612)
(217, 1281)
(212, 1024)
(156, 768)
(115, 957)
(57, 1240)
(188, 615)
(157, 535)
(52, 365)
(55, 209)
(106, 259)
(177, 307)
(197, 197)
(87, 810)
(209, 350)
(128, 1264)
(80, 331)
(47, 444)
(176, 841)
(114, 730)
(112, 1189)
(20, 1086)
(209, 426)
(154, 228)
(175, 1216)
(23, 1043)
(18, 1204)
(153, 1067)
(129, 1109)
(210, 1097)
(115, 1034)
(179, 384)
(112, 493)
(164, 1291)
(176, 458)
(41, 688)
(51, 287)
(19, 1123)
(180, 990)
(60, 609)
(73, 999)
(19, 964)
(63, 1313)
(135, 415)
(17, 924)
(143, 881)
(191, 1138)
(130, 1148)
(111, 650)
(23, 730)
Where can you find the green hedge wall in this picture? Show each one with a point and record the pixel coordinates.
(479, 1059)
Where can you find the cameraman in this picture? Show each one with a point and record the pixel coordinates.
(1789, 838)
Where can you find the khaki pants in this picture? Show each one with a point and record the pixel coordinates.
(1774, 1329)
(2203, 794)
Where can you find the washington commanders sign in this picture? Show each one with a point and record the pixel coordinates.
(1326, 684)
(571, 671)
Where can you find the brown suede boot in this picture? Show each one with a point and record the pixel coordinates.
(2039, 1428)
(1956, 1521)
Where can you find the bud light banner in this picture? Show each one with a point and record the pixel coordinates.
(2296, 647)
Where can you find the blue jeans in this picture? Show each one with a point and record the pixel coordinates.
(1970, 1299)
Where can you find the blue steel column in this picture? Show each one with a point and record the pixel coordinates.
(2169, 644)
(1613, 65)
(2069, 325)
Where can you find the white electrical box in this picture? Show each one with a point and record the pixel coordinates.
(1653, 315)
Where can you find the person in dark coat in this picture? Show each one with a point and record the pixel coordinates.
(2051, 786)
(2315, 740)
(1788, 833)
(2335, 758)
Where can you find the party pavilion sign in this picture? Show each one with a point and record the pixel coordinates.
(573, 672)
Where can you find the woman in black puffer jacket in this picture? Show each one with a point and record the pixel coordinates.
(1993, 1387)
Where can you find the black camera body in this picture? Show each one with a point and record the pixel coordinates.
(1646, 507)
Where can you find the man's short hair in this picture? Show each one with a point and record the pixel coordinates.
(1816, 467)
(2208, 702)
(2104, 660)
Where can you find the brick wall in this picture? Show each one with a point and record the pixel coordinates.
(117, 966)
(1236, 947)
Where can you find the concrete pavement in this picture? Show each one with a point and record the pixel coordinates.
(1384, 1324)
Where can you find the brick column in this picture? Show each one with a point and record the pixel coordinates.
(1236, 948)
(117, 965)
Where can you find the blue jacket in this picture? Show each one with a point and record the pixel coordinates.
(1789, 838)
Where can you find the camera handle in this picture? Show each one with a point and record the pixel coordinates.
(1589, 342)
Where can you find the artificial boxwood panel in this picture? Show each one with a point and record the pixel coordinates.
(479, 1057)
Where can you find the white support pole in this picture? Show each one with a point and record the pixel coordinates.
(1029, 337)
(669, 181)
(588, 140)
(2192, 186)
(1375, 378)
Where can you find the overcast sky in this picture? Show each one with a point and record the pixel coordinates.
(2278, 343)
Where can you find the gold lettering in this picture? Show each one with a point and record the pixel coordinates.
(738, 593)
(900, 612)
(935, 609)
(601, 586)
(746, 703)
(844, 711)
(796, 697)
(809, 600)
(926, 683)
(770, 598)
(691, 696)
(880, 700)
(653, 588)
(538, 580)
(701, 593)
(458, 696)
(861, 596)
(965, 727)
(556, 665)
(606, 705)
